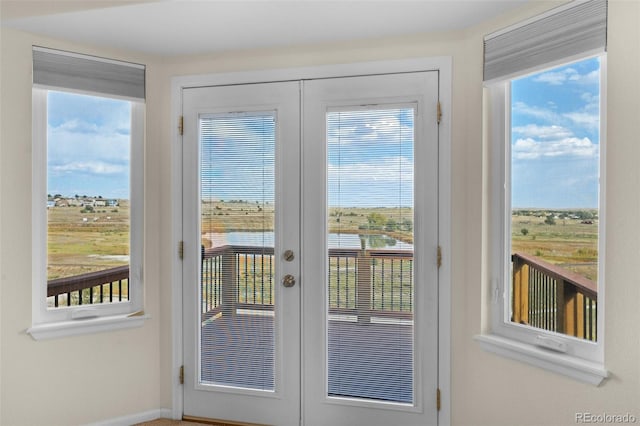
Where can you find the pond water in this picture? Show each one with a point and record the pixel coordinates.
(265, 239)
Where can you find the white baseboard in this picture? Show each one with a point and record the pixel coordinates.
(132, 419)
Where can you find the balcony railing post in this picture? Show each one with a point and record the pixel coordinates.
(560, 307)
(229, 279)
(573, 312)
(520, 291)
(363, 290)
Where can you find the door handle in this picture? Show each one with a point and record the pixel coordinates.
(288, 281)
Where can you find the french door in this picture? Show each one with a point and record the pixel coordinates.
(310, 236)
(241, 196)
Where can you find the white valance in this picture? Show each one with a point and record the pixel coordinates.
(577, 28)
(65, 70)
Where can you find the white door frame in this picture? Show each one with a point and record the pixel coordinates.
(441, 64)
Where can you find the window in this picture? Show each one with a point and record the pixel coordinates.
(547, 135)
(554, 158)
(87, 189)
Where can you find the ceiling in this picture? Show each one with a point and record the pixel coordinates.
(189, 27)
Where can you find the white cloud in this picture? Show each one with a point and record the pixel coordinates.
(69, 146)
(584, 119)
(388, 169)
(589, 97)
(542, 132)
(370, 125)
(591, 78)
(531, 149)
(92, 167)
(557, 78)
(565, 124)
(536, 112)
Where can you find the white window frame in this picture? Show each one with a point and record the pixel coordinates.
(66, 321)
(577, 358)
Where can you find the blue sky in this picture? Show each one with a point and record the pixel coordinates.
(555, 144)
(370, 158)
(88, 145)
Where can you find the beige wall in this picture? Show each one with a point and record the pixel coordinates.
(135, 366)
(489, 390)
(80, 379)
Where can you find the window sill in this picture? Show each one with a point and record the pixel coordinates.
(86, 326)
(576, 368)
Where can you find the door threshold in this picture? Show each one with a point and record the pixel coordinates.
(218, 422)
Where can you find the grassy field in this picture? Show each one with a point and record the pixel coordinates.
(243, 216)
(80, 241)
(564, 239)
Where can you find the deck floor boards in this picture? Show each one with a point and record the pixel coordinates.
(372, 361)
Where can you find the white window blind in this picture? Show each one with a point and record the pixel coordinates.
(574, 29)
(237, 191)
(64, 70)
(370, 293)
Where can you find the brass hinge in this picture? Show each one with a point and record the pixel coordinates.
(181, 249)
(181, 125)
(439, 257)
(181, 375)
(439, 112)
(438, 401)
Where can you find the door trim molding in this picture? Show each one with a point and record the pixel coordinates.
(441, 64)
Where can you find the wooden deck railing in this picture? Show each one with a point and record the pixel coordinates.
(552, 298)
(107, 286)
(363, 283)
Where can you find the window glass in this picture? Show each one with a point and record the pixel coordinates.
(555, 217)
(88, 199)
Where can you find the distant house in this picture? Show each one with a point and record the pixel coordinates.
(112, 203)
(100, 203)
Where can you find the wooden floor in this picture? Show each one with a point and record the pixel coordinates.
(372, 361)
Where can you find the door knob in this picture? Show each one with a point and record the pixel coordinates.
(288, 281)
(288, 255)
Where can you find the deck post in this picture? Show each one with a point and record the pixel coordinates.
(229, 279)
(363, 290)
(520, 291)
(573, 307)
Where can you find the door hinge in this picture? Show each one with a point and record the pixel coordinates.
(181, 249)
(439, 257)
(181, 376)
(438, 400)
(439, 112)
(181, 125)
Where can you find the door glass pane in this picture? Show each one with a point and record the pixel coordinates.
(237, 224)
(370, 254)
